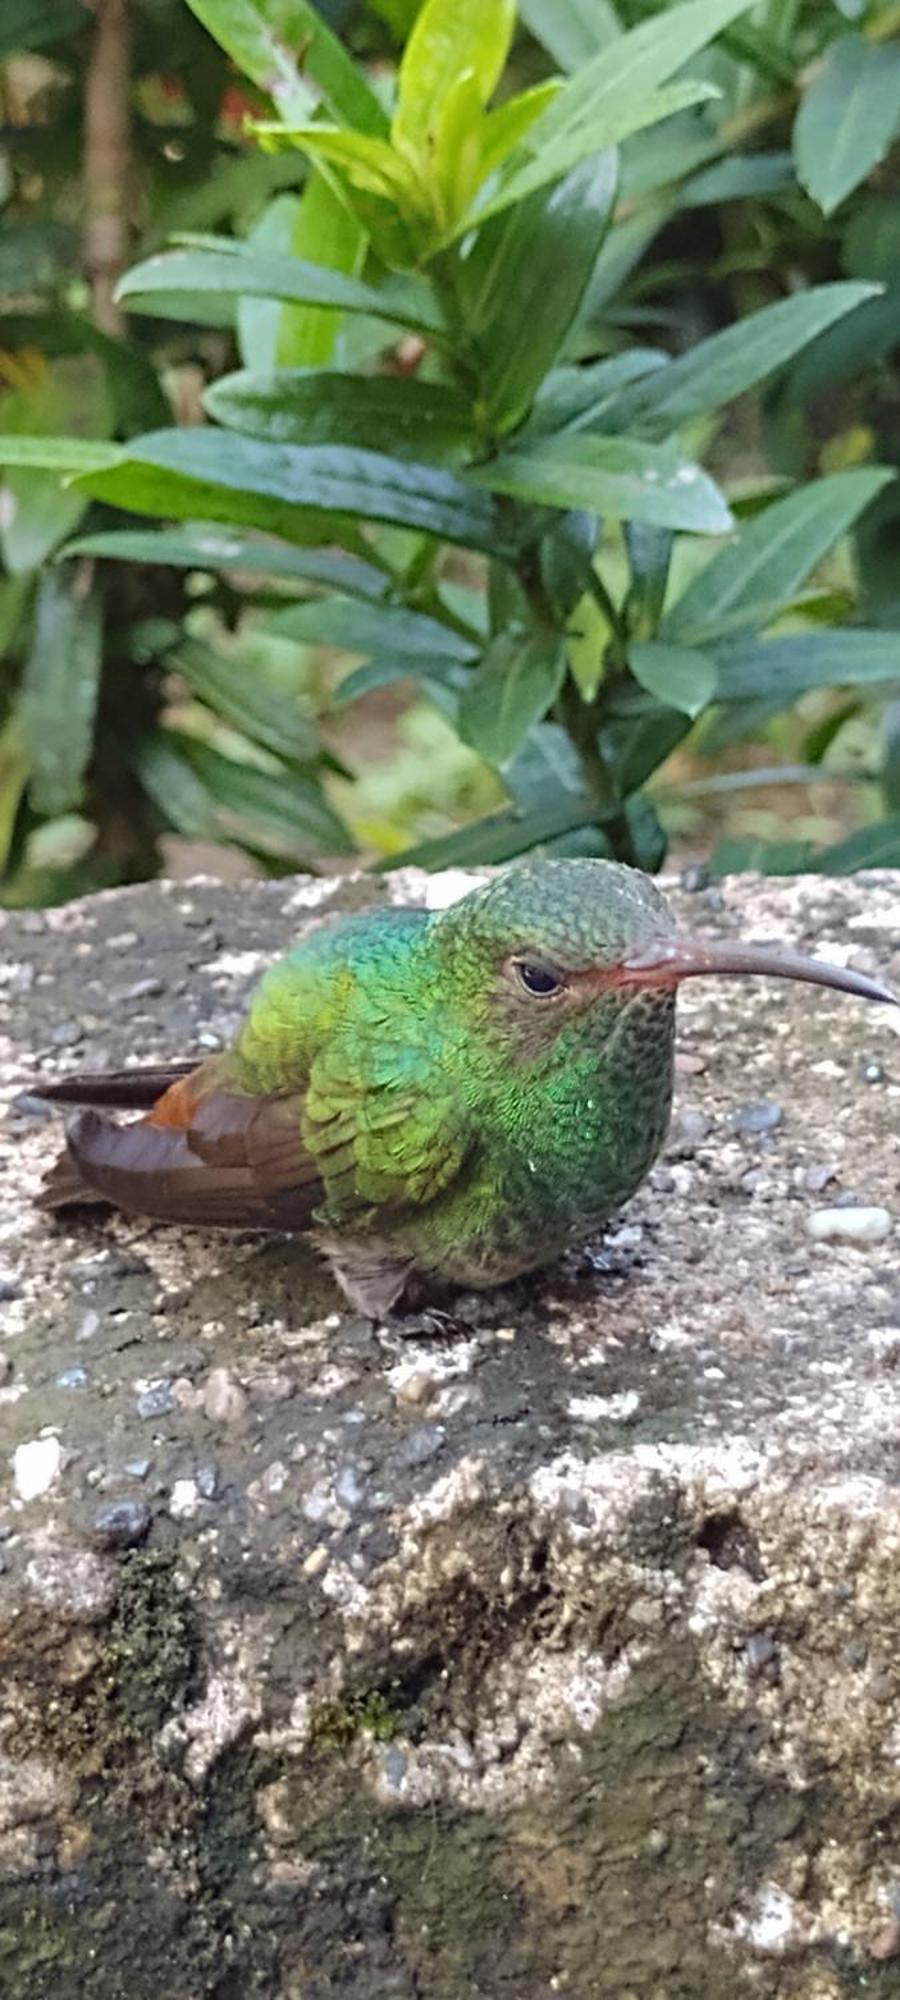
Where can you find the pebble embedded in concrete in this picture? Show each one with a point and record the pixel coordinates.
(849, 1225)
(36, 1464)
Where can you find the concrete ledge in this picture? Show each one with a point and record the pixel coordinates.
(560, 1660)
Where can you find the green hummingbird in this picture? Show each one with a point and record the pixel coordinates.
(448, 1096)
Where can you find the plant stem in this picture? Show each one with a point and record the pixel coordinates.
(107, 161)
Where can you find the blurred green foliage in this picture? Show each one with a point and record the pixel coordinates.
(515, 419)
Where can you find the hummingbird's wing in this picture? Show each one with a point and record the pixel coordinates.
(203, 1153)
(372, 1133)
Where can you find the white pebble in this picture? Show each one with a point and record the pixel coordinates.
(184, 1500)
(849, 1225)
(613, 1409)
(35, 1466)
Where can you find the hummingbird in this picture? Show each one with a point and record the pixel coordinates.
(434, 1097)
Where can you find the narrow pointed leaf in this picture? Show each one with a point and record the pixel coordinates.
(566, 148)
(847, 118)
(875, 846)
(748, 583)
(615, 93)
(235, 691)
(778, 670)
(13, 780)
(275, 41)
(505, 127)
(680, 676)
(58, 695)
(409, 418)
(320, 228)
(517, 680)
(376, 630)
(572, 31)
(529, 270)
(448, 38)
(731, 362)
(59, 454)
(213, 548)
(370, 164)
(620, 478)
(236, 271)
(571, 393)
(209, 474)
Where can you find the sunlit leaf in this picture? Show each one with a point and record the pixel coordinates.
(617, 477)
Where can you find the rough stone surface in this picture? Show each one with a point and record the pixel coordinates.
(557, 1659)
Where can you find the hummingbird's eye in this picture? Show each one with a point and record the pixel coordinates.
(542, 981)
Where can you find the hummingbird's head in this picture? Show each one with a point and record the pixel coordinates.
(548, 942)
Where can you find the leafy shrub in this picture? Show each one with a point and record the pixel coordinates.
(445, 451)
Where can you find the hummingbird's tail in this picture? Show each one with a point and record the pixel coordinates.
(115, 1089)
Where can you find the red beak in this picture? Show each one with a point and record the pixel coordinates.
(669, 960)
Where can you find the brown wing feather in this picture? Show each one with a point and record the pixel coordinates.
(202, 1155)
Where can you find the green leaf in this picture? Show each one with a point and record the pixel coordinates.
(730, 362)
(450, 37)
(498, 838)
(409, 418)
(207, 796)
(193, 473)
(30, 24)
(624, 247)
(373, 165)
(505, 127)
(738, 179)
(14, 769)
(261, 37)
(212, 548)
(572, 31)
(748, 583)
(638, 743)
(680, 676)
(525, 280)
(58, 695)
(376, 630)
(59, 454)
(65, 393)
(778, 670)
(570, 393)
(847, 118)
(235, 690)
(548, 161)
(852, 344)
(318, 227)
(890, 758)
(518, 679)
(613, 94)
(617, 477)
(875, 846)
(237, 271)
(436, 677)
(649, 556)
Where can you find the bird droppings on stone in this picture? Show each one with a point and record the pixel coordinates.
(422, 1583)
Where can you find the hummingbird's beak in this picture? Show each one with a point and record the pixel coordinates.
(666, 961)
